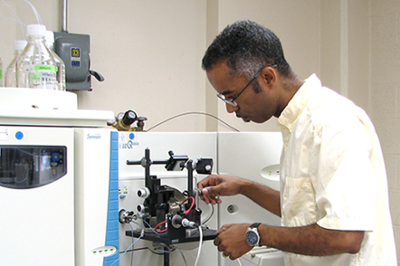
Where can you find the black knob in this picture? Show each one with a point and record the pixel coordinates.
(129, 117)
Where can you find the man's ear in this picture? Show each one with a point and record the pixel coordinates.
(269, 75)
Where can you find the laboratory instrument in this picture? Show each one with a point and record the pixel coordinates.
(231, 152)
(168, 210)
(65, 192)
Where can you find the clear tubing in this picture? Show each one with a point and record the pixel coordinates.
(38, 18)
(16, 19)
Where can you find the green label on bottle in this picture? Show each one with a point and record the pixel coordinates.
(42, 76)
(45, 68)
(1, 74)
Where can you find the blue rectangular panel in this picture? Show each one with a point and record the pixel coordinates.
(112, 235)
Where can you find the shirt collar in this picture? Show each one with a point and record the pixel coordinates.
(297, 104)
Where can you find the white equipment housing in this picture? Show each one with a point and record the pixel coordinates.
(72, 220)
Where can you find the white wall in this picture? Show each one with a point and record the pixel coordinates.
(296, 23)
(385, 94)
(150, 51)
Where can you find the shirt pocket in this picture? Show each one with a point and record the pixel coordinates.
(298, 202)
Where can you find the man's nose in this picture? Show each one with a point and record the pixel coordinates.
(230, 108)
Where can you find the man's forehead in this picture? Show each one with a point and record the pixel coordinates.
(221, 79)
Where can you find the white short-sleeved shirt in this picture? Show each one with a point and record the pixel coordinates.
(333, 174)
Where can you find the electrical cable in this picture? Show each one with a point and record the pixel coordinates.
(133, 243)
(161, 231)
(133, 239)
(200, 244)
(183, 257)
(191, 206)
(209, 216)
(154, 231)
(147, 248)
(23, 180)
(134, 249)
(193, 113)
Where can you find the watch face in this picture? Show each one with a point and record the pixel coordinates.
(252, 238)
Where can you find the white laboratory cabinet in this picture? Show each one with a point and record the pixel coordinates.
(58, 181)
(37, 196)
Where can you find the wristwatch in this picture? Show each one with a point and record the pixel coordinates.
(252, 235)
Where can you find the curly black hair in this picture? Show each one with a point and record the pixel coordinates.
(245, 47)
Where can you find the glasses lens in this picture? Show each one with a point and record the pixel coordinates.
(228, 101)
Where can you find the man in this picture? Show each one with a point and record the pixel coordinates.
(333, 200)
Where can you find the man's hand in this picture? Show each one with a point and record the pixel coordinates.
(214, 186)
(231, 240)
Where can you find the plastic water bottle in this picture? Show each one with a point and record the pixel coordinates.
(10, 77)
(59, 61)
(1, 73)
(36, 67)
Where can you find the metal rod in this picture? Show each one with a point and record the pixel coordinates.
(65, 13)
(190, 169)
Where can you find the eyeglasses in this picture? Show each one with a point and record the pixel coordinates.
(232, 100)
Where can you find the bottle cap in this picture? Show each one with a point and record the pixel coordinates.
(36, 30)
(19, 45)
(49, 38)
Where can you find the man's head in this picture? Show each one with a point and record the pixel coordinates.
(246, 47)
(246, 55)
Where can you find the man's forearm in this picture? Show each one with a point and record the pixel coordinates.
(311, 240)
(263, 195)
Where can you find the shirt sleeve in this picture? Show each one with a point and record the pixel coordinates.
(344, 181)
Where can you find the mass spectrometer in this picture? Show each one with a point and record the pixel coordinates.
(254, 155)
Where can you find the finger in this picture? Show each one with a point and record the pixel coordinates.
(217, 241)
(231, 257)
(205, 196)
(221, 230)
(208, 198)
(211, 194)
(200, 186)
(224, 228)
